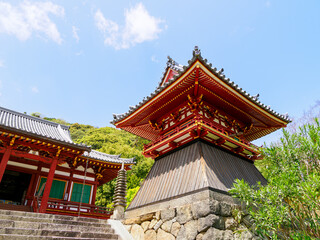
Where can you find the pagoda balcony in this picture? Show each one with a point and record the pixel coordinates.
(210, 131)
(62, 207)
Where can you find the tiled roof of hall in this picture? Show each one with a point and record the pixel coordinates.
(20, 123)
(213, 70)
(108, 157)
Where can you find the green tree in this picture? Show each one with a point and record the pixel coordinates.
(289, 206)
(114, 141)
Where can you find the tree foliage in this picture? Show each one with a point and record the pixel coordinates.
(289, 206)
(114, 141)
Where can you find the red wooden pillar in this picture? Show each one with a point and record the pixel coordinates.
(4, 161)
(93, 200)
(69, 185)
(46, 193)
(29, 196)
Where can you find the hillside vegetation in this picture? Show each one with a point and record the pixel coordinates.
(113, 141)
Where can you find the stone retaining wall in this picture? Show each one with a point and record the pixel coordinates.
(203, 220)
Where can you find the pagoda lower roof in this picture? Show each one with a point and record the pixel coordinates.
(216, 89)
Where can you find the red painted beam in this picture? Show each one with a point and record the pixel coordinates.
(46, 193)
(4, 161)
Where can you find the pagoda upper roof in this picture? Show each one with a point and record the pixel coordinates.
(217, 89)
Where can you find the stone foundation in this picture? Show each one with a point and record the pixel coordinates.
(205, 219)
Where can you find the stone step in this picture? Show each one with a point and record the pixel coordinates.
(74, 221)
(42, 215)
(24, 237)
(28, 226)
(15, 207)
(54, 226)
(56, 233)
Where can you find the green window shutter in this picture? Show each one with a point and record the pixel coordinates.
(57, 188)
(77, 190)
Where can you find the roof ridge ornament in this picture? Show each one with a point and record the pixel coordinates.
(196, 51)
(170, 62)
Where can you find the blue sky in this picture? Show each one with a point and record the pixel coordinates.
(84, 60)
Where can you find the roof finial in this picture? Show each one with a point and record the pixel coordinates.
(196, 51)
(170, 62)
(122, 166)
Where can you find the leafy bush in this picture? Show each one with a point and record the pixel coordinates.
(289, 206)
(114, 141)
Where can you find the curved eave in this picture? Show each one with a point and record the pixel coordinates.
(214, 74)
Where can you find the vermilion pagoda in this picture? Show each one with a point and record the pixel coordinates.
(200, 125)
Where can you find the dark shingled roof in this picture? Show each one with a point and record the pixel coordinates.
(29, 125)
(217, 73)
(194, 168)
(26, 124)
(108, 157)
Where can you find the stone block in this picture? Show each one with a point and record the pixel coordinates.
(201, 209)
(207, 222)
(225, 209)
(175, 228)
(145, 225)
(131, 221)
(230, 223)
(147, 217)
(181, 234)
(220, 224)
(215, 207)
(152, 223)
(137, 232)
(163, 235)
(184, 214)
(191, 229)
(244, 235)
(227, 235)
(168, 214)
(150, 235)
(157, 215)
(213, 234)
(158, 225)
(199, 236)
(166, 226)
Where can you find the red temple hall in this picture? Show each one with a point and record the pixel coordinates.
(200, 126)
(43, 170)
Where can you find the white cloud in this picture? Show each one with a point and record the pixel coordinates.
(154, 59)
(34, 89)
(28, 18)
(139, 27)
(2, 63)
(75, 33)
(79, 53)
(268, 4)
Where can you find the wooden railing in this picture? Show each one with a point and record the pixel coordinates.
(189, 123)
(62, 207)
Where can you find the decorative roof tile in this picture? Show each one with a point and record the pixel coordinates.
(218, 73)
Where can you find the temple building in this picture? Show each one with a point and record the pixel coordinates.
(200, 125)
(43, 170)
